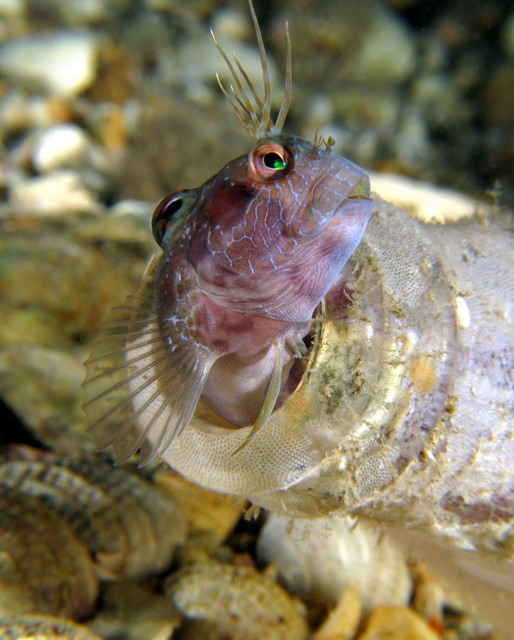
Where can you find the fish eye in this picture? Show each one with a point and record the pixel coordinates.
(269, 161)
(167, 211)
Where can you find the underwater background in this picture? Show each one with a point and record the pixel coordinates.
(106, 106)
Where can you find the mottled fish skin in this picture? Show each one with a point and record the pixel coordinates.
(243, 272)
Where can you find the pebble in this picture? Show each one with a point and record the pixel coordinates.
(197, 62)
(387, 54)
(77, 12)
(42, 385)
(441, 100)
(61, 63)
(59, 146)
(56, 193)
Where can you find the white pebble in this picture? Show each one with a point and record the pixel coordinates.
(63, 64)
(57, 193)
(59, 146)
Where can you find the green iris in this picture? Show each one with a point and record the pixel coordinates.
(274, 161)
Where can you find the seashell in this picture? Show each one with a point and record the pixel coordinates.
(221, 601)
(44, 568)
(131, 527)
(32, 627)
(324, 557)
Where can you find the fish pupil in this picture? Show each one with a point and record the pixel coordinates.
(163, 214)
(274, 161)
(172, 208)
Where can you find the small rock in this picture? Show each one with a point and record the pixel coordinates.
(133, 612)
(57, 193)
(444, 106)
(62, 63)
(59, 146)
(37, 627)
(343, 621)
(387, 53)
(77, 12)
(41, 385)
(197, 63)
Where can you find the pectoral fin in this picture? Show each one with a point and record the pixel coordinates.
(141, 389)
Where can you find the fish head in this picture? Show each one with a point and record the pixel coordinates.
(269, 233)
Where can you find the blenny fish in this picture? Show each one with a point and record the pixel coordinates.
(247, 258)
(305, 344)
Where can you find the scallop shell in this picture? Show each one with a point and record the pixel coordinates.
(225, 601)
(43, 566)
(131, 527)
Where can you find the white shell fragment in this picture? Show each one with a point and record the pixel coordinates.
(325, 556)
(62, 63)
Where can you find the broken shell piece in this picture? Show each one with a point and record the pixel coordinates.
(210, 516)
(224, 601)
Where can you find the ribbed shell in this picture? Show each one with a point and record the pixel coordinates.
(43, 566)
(131, 527)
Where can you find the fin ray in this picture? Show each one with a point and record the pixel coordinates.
(271, 396)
